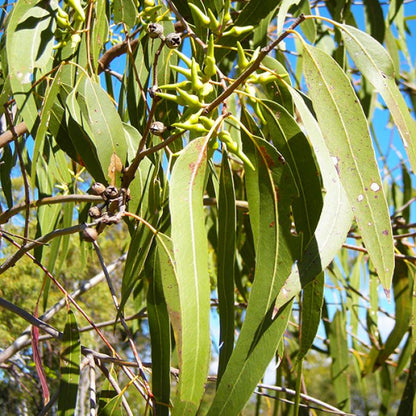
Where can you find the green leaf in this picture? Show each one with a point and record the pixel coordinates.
(336, 217)
(70, 367)
(270, 190)
(29, 43)
(191, 259)
(283, 10)
(50, 97)
(312, 301)
(225, 262)
(408, 400)
(402, 290)
(374, 19)
(338, 348)
(289, 139)
(345, 129)
(100, 115)
(159, 328)
(125, 12)
(375, 64)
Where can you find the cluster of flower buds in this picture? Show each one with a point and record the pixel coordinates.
(106, 213)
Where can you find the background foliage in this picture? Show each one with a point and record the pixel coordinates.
(238, 174)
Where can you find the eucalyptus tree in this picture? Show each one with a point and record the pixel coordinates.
(239, 147)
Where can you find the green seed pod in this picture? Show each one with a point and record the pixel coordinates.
(79, 11)
(195, 127)
(242, 60)
(209, 59)
(173, 40)
(188, 99)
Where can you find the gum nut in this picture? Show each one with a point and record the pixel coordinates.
(155, 30)
(98, 188)
(111, 192)
(90, 234)
(94, 212)
(157, 128)
(173, 40)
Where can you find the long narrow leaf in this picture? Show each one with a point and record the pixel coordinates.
(225, 262)
(191, 260)
(70, 367)
(345, 129)
(375, 64)
(273, 190)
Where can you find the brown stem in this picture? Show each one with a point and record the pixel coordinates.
(9, 118)
(49, 200)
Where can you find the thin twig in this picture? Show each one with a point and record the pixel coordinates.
(396, 255)
(11, 261)
(49, 200)
(10, 122)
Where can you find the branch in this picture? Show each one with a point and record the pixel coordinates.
(49, 200)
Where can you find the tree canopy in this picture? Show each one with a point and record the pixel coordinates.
(238, 175)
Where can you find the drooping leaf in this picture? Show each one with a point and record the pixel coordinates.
(270, 189)
(225, 262)
(289, 139)
(70, 367)
(104, 122)
(29, 45)
(376, 65)
(159, 327)
(191, 263)
(335, 220)
(347, 136)
(125, 12)
(312, 300)
(340, 360)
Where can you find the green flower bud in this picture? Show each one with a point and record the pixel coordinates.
(188, 99)
(197, 84)
(202, 18)
(214, 25)
(236, 31)
(195, 127)
(243, 62)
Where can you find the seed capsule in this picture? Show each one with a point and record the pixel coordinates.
(157, 128)
(155, 30)
(173, 40)
(90, 234)
(97, 188)
(111, 192)
(95, 212)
